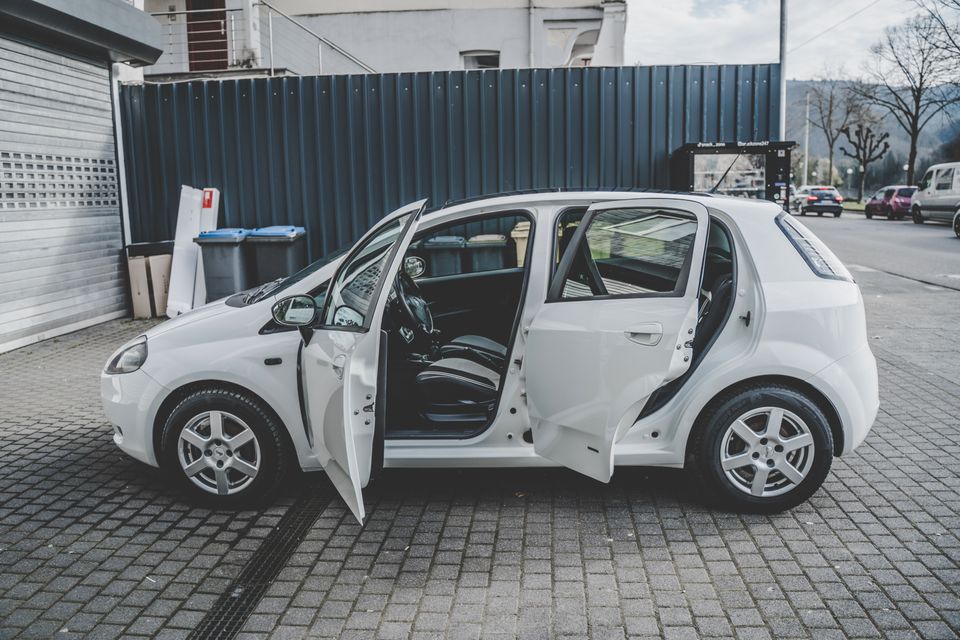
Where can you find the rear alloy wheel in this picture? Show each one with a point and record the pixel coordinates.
(224, 449)
(917, 216)
(764, 449)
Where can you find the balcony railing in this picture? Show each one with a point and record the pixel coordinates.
(226, 41)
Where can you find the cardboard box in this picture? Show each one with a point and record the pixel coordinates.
(159, 268)
(139, 287)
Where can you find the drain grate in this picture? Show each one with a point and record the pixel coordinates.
(231, 610)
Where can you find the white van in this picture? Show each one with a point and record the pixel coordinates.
(937, 197)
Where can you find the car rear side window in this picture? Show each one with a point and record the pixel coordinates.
(945, 179)
(905, 193)
(631, 252)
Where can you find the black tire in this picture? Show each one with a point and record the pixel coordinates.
(956, 224)
(917, 216)
(837, 214)
(867, 214)
(803, 211)
(820, 214)
(275, 458)
(704, 451)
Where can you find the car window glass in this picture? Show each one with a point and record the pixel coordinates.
(631, 252)
(487, 244)
(925, 182)
(945, 179)
(567, 223)
(905, 193)
(888, 193)
(352, 291)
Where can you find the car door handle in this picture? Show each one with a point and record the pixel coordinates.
(646, 334)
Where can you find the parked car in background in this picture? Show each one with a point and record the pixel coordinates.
(892, 201)
(937, 197)
(818, 199)
(711, 333)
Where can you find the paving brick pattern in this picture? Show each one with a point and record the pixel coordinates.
(93, 544)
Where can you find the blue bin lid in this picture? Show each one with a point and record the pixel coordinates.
(278, 231)
(444, 241)
(225, 233)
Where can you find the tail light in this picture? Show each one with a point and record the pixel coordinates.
(839, 198)
(812, 198)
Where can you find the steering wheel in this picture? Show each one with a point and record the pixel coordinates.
(412, 305)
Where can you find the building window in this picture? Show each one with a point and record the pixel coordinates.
(480, 59)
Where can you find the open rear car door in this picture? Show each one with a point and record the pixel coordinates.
(341, 357)
(618, 323)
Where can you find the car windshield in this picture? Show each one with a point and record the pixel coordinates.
(276, 286)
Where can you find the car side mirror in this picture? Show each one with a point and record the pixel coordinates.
(414, 266)
(295, 311)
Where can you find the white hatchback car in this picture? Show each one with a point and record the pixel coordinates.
(584, 329)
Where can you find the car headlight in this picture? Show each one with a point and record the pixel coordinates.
(129, 358)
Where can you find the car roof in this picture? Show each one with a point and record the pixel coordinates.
(553, 200)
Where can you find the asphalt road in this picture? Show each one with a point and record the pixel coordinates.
(928, 252)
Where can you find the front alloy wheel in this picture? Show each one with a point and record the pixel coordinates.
(219, 453)
(225, 449)
(764, 448)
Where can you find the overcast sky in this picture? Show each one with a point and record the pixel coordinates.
(746, 31)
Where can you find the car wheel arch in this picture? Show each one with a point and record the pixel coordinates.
(796, 384)
(176, 396)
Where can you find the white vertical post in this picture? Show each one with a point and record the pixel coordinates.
(783, 69)
(232, 44)
(319, 58)
(806, 142)
(270, 31)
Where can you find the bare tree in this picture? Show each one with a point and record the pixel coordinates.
(867, 145)
(909, 78)
(830, 112)
(946, 14)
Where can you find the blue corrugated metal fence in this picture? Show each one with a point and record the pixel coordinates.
(335, 153)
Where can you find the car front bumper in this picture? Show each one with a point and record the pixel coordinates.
(851, 385)
(128, 402)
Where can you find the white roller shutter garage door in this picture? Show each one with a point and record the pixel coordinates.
(60, 232)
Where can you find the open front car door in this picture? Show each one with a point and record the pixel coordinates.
(618, 323)
(340, 359)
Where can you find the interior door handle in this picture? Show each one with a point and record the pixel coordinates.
(646, 334)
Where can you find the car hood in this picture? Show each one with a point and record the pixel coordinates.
(210, 310)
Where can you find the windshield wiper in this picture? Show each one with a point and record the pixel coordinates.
(262, 290)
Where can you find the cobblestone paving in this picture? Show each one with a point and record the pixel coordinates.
(94, 544)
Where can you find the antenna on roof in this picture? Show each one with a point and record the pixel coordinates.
(720, 181)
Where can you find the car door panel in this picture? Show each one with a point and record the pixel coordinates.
(340, 367)
(591, 363)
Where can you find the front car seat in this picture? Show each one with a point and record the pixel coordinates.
(484, 351)
(457, 390)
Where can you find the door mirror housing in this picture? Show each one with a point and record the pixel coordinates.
(295, 311)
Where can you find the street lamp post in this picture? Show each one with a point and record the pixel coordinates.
(849, 180)
(906, 168)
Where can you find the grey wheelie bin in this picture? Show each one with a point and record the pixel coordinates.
(278, 251)
(226, 261)
(443, 255)
(487, 252)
